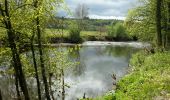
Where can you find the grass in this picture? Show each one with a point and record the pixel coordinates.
(149, 79)
(58, 33)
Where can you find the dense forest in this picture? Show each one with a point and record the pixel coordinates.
(32, 69)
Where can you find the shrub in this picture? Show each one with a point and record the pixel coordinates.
(120, 31)
(117, 31)
(111, 31)
(74, 34)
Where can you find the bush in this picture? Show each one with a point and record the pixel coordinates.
(74, 34)
(117, 31)
(120, 31)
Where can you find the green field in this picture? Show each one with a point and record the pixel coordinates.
(65, 33)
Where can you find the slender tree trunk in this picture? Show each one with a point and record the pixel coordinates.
(62, 28)
(158, 22)
(63, 84)
(35, 67)
(50, 86)
(43, 70)
(17, 88)
(165, 22)
(168, 35)
(169, 12)
(0, 95)
(15, 54)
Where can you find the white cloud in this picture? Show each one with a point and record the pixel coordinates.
(104, 8)
(106, 17)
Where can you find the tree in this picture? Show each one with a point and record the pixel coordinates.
(42, 8)
(141, 21)
(148, 25)
(117, 31)
(120, 31)
(6, 20)
(158, 22)
(165, 11)
(0, 95)
(58, 62)
(35, 66)
(19, 21)
(81, 13)
(37, 5)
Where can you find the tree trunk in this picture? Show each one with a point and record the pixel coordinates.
(165, 22)
(63, 84)
(168, 35)
(158, 22)
(50, 86)
(15, 54)
(43, 71)
(17, 88)
(169, 12)
(0, 95)
(35, 67)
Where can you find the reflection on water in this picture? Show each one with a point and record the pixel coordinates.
(97, 64)
(92, 76)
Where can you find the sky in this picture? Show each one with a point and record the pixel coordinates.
(102, 9)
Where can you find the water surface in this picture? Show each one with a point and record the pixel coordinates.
(97, 64)
(92, 77)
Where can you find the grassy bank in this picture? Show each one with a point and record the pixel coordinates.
(58, 36)
(55, 35)
(149, 78)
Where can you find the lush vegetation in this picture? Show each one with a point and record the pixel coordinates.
(150, 21)
(149, 78)
(25, 25)
(74, 34)
(117, 31)
(149, 74)
(90, 30)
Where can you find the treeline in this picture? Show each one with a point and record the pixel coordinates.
(95, 29)
(87, 24)
(150, 22)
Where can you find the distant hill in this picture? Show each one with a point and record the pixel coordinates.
(89, 24)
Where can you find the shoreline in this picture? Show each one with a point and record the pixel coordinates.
(102, 43)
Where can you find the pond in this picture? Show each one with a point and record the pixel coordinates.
(98, 62)
(93, 76)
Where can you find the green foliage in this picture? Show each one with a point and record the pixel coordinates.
(117, 31)
(111, 31)
(2, 34)
(140, 22)
(149, 78)
(59, 59)
(120, 31)
(74, 34)
(5, 60)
